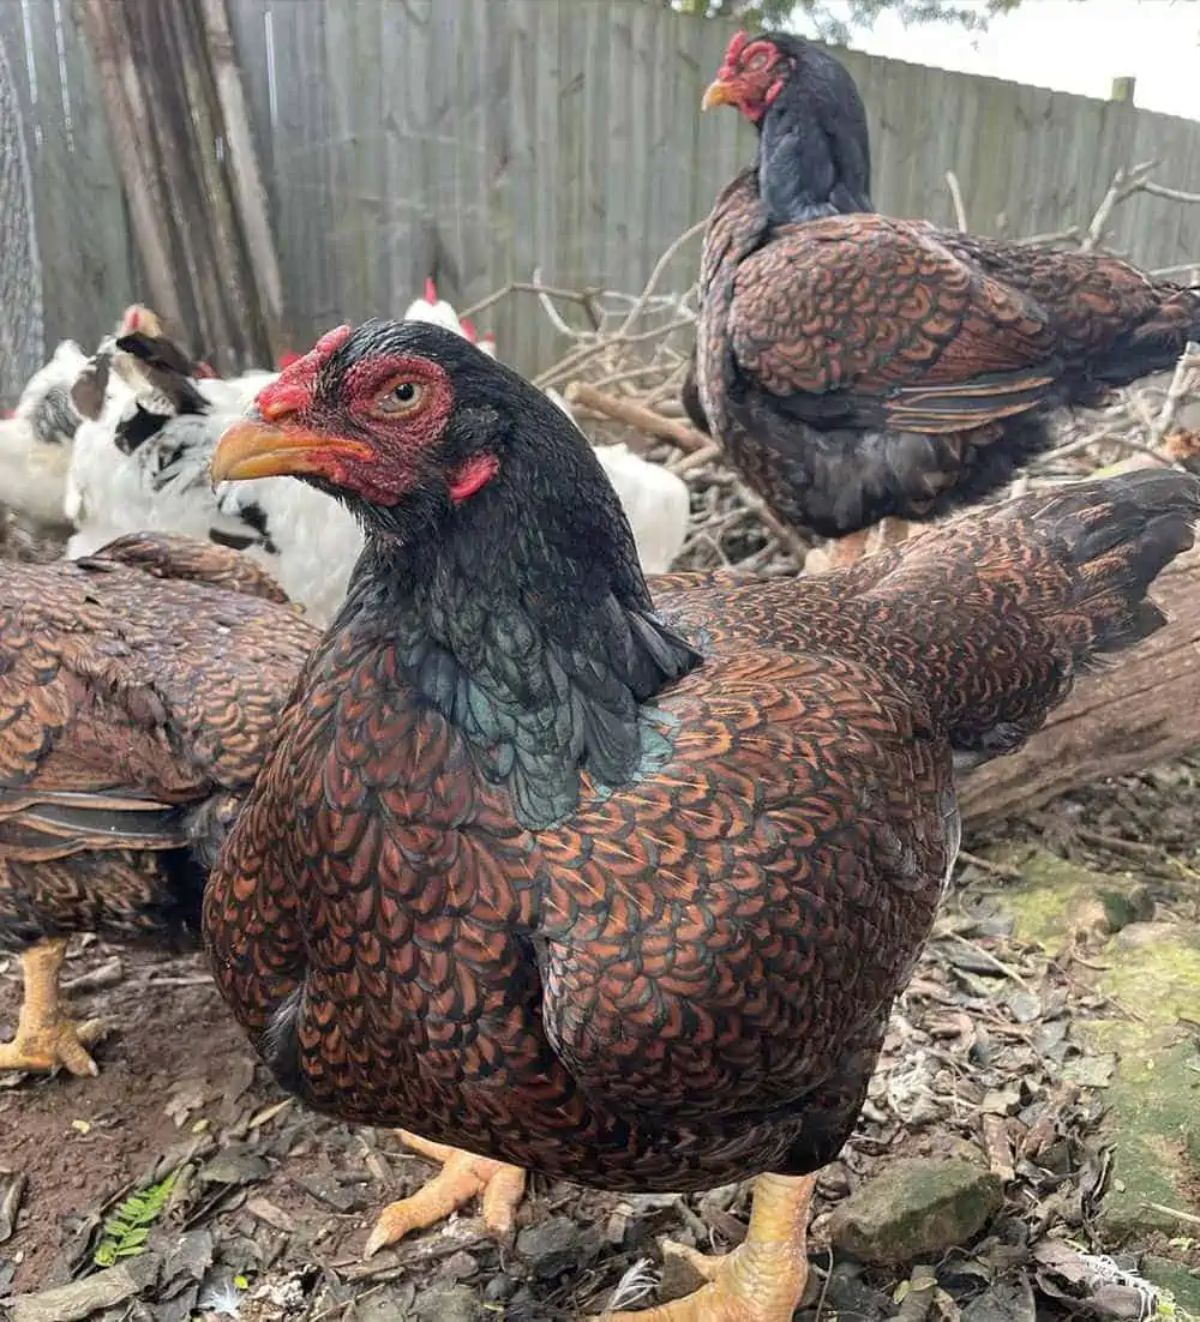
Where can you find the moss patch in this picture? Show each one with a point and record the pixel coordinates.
(1155, 971)
(1059, 900)
(1154, 1097)
(1183, 1283)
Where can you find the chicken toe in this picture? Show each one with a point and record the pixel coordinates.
(46, 1038)
(763, 1279)
(463, 1176)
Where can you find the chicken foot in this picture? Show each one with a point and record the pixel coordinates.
(763, 1279)
(46, 1037)
(462, 1177)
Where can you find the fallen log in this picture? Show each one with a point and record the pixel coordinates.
(1143, 707)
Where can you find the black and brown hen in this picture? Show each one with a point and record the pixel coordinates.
(857, 367)
(615, 887)
(138, 690)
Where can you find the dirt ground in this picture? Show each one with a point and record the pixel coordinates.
(271, 1206)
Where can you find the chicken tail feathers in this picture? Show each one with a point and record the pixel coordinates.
(1009, 605)
(1117, 536)
(1154, 344)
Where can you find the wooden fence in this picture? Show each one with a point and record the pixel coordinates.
(480, 139)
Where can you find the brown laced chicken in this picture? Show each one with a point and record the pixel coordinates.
(138, 690)
(857, 367)
(620, 888)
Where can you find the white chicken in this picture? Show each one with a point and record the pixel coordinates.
(434, 310)
(139, 467)
(655, 500)
(35, 443)
(440, 313)
(142, 464)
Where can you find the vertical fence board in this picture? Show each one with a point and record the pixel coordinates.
(479, 139)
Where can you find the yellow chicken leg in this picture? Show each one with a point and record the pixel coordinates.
(763, 1279)
(46, 1038)
(462, 1177)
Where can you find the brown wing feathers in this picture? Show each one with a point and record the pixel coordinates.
(136, 687)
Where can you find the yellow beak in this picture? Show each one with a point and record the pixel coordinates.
(718, 94)
(253, 448)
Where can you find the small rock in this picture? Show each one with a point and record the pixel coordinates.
(848, 1296)
(1010, 1299)
(555, 1246)
(449, 1303)
(460, 1266)
(918, 1207)
(499, 1289)
(834, 1181)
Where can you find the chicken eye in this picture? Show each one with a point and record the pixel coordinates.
(401, 397)
(758, 60)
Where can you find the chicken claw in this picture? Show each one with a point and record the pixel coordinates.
(763, 1280)
(462, 1177)
(46, 1038)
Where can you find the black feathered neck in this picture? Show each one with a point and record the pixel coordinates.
(523, 616)
(814, 153)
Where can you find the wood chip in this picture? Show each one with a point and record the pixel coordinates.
(274, 1216)
(80, 1299)
(268, 1113)
(998, 1147)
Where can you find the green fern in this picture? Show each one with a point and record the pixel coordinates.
(127, 1228)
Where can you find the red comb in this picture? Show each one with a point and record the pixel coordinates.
(287, 358)
(430, 290)
(737, 44)
(468, 329)
(292, 389)
(131, 319)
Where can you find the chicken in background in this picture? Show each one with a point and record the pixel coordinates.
(139, 689)
(36, 441)
(616, 887)
(142, 465)
(656, 501)
(856, 367)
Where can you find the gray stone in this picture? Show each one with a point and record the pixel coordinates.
(916, 1208)
(555, 1246)
(1008, 1300)
(453, 1303)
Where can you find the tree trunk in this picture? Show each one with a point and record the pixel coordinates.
(1142, 707)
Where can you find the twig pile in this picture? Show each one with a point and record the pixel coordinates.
(628, 355)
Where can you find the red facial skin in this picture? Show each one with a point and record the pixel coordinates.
(367, 440)
(751, 77)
